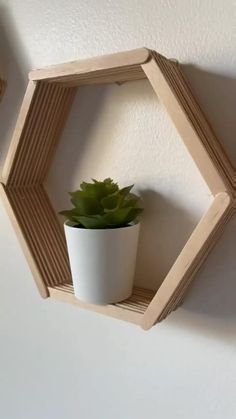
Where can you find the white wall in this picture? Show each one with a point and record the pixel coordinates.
(59, 362)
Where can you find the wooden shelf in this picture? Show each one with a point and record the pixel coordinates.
(45, 108)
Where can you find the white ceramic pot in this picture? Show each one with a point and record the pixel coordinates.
(102, 262)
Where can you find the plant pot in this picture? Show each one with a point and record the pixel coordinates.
(102, 262)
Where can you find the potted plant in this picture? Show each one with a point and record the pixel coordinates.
(102, 237)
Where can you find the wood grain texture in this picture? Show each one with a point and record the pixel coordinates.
(38, 129)
(45, 108)
(121, 65)
(130, 310)
(2, 88)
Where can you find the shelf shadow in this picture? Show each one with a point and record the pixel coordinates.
(165, 229)
(216, 95)
(210, 305)
(13, 69)
(81, 122)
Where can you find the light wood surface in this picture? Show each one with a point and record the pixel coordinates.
(2, 88)
(38, 128)
(113, 67)
(45, 108)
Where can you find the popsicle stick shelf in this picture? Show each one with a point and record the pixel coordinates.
(45, 108)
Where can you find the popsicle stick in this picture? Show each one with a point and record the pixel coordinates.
(102, 66)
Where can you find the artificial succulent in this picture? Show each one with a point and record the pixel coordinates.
(103, 205)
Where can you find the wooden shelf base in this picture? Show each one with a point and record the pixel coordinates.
(131, 310)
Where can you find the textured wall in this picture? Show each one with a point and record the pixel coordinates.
(56, 361)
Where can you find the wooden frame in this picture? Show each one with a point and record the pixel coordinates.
(2, 88)
(46, 105)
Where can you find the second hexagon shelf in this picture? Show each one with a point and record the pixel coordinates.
(43, 114)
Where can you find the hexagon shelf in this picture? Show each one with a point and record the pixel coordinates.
(44, 110)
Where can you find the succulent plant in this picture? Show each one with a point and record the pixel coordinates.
(102, 204)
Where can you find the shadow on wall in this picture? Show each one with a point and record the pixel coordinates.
(165, 230)
(210, 305)
(13, 69)
(216, 94)
(82, 120)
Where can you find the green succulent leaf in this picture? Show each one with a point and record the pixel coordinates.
(130, 202)
(116, 218)
(85, 204)
(101, 204)
(108, 180)
(83, 186)
(133, 215)
(94, 222)
(99, 190)
(125, 191)
(111, 202)
(70, 215)
(75, 196)
(122, 216)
